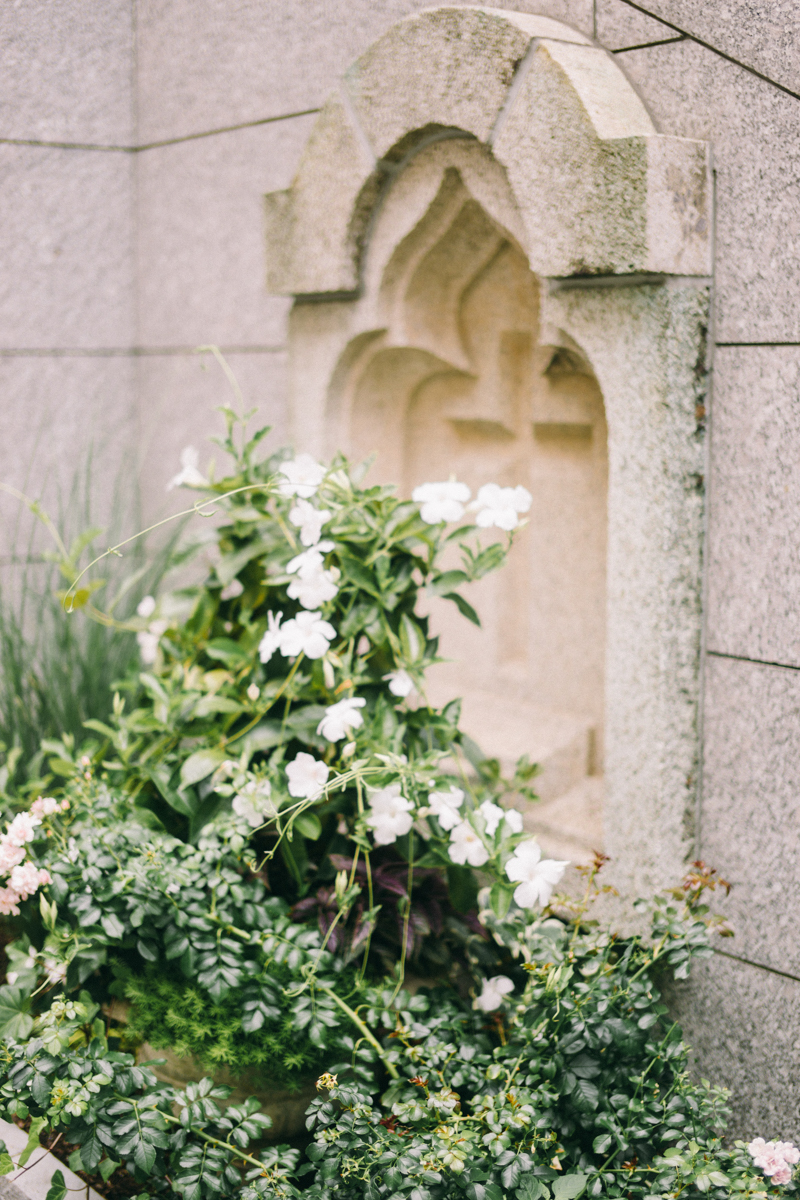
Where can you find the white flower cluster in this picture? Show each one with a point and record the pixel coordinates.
(24, 878)
(493, 506)
(775, 1159)
(392, 815)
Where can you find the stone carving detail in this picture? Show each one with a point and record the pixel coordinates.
(499, 267)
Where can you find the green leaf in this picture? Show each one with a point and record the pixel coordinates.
(603, 1143)
(107, 1168)
(500, 898)
(308, 823)
(586, 1094)
(227, 651)
(412, 640)
(357, 573)
(208, 705)
(36, 1127)
(464, 607)
(15, 1007)
(58, 1187)
(6, 1162)
(230, 565)
(531, 1188)
(567, 1187)
(200, 765)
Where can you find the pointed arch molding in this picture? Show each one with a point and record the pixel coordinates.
(614, 219)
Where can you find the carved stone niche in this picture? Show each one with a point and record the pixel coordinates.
(499, 270)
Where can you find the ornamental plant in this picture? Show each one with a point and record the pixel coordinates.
(563, 1078)
(273, 827)
(285, 692)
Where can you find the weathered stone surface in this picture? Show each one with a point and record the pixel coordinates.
(66, 71)
(209, 286)
(643, 344)
(741, 1023)
(204, 64)
(754, 583)
(602, 195)
(599, 193)
(756, 142)
(446, 67)
(178, 395)
(619, 25)
(312, 245)
(34, 1181)
(763, 34)
(750, 804)
(66, 247)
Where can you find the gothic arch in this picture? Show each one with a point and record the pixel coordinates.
(472, 149)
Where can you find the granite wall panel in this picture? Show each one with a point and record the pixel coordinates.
(200, 227)
(203, 65)
(66, 71)
(741, 1023)
(693, 92)
(65, 420)
(66, 245)
(763, 34)
(751, 804)
(617, 26)
(754, 580)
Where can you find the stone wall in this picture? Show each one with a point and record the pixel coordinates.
(136, 142)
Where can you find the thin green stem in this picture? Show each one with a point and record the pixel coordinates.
(365, 1032)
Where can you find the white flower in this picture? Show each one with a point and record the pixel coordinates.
(313, 590)
(491, 996)
(189, 475)
(309, 562)
(400, 683)
(390, 816)
(314, 585)
(441, 501)
(271, 641)
(148, 640)
(234, 589)
(536, 877)
(492, 815)
(253, 802)
(306, 634)
(146, 607)
(445, 805)
(500, 506)
(341, 717)
(513, 820)
(309, 520)
(303, 476)
(307, 776)
(467, 847)
(253, 692)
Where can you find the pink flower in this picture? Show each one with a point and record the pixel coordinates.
(45, 806)
(10, 856)
(9, 902)
(774, 1158)
(25, 879)
(21, 829)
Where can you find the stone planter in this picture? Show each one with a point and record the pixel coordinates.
(287, 1109)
